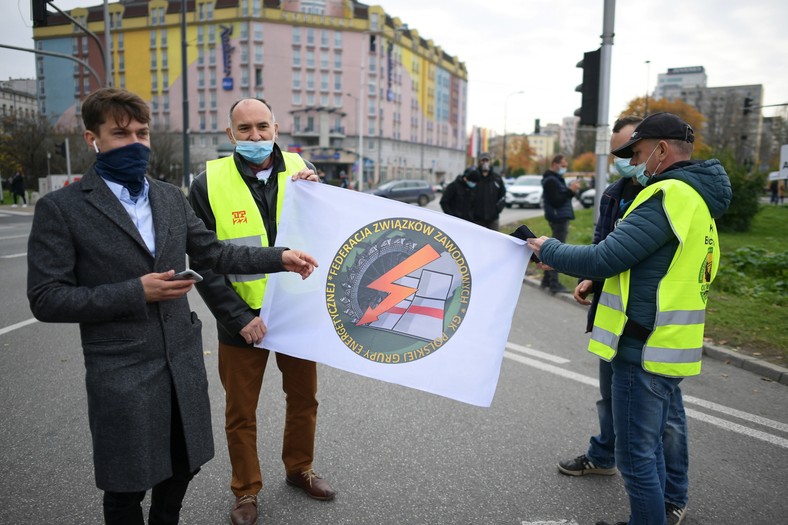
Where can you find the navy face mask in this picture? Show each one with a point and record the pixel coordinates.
(126, 165)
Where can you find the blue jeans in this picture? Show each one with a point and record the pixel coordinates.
(602, 447)
(641, 404)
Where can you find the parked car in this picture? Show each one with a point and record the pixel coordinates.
(587, 198)
(526, 191)
(411, 191)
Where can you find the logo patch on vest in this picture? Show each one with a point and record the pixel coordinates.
(397, 290)
(704, 276)
(239, 217)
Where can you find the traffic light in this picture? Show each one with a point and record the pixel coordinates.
(60, 149)
(38, 8)
(537, 127)
(589, 108)
(747, 105)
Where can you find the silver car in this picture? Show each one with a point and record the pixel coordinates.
(525, 192)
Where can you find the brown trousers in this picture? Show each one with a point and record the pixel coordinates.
(241, 370)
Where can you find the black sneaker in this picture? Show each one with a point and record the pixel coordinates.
(606, 523)
(674, 514)
(582, 466)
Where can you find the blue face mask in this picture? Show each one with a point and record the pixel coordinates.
(254, 151)
(470, 184)
(641, 175)
(627, 170)
(562, 171)
(126, 165)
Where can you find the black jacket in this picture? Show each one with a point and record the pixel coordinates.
(231, 312)
(557, 198)
(457, 199)
(488, 199)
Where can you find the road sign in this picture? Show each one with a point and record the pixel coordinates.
(784, 161)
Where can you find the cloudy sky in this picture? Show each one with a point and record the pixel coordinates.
(534, 45)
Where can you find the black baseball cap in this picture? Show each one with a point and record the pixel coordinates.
(657, 126)
(484, 156)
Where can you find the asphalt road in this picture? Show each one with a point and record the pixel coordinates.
(395, 455)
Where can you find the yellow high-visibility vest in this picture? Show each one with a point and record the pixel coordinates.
(675, 346)
(238, 218)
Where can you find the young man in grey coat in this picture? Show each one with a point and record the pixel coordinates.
(101, 253)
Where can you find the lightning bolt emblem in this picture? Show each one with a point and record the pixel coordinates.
(397, 292)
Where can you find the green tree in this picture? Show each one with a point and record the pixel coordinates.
(747, 187)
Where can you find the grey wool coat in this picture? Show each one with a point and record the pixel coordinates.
(85, 260)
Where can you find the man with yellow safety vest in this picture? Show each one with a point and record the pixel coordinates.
(657, 266)
(240, 197)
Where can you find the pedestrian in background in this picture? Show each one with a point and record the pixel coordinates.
(255, 179)
(101, 253)
(650, 319)
(558, 211)
(457, 198)
(600, 457)
(489, 195)
(18, 189)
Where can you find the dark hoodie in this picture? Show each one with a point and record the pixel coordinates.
(643, 243)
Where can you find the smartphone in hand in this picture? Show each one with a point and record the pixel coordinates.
(186, 275)
(524, 233)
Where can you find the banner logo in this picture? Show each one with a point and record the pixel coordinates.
(397, 290)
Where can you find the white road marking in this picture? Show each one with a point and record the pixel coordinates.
(536, 353)
(712, 420)
(17, 325)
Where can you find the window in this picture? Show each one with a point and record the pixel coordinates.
(164, 60)
(161, 16)
(202, 127)
(153, 39)
(201, 78)
(165, 98)
(212, 55)
(258, 76)
(213, 78)
(310, 101)
(310, 36)
(296, 80)
(297, 123)
(200, 56)
(154, 103)
(337, 100)
(201, 11)
(165, 81)
(154, 83)
(296, 58)
(296, 35)
(213, 121)
(244, 34)
(200, 34)
(324, 59)
(211, 34)
(310, 81)
(213, 99)
(337, 81)
(244, 77)
(120, 41)
(324, 38)
(296, 98)
(324, 99)
(153, 61)
(258, 53)
(337, 60)
(258, 31)
(310, 59)
(337, 39)
(323, 82)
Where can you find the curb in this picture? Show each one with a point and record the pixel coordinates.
(766, 370)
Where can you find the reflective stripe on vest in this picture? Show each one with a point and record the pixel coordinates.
(238, 218)
(675, 346)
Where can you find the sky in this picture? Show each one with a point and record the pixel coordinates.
(533, 46)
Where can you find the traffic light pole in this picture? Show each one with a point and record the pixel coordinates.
(602, 127)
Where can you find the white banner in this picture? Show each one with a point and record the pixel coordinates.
(403, 294)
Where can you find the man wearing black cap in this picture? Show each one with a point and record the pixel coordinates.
(489, 195)
(657, 265)
(457, 199)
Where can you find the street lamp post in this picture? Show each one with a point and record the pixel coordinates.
(505, 110)
(360, 141)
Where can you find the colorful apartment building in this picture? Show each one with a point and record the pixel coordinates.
(334, 71)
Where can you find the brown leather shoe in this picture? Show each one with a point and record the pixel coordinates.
(312, 484)
(244, 510)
